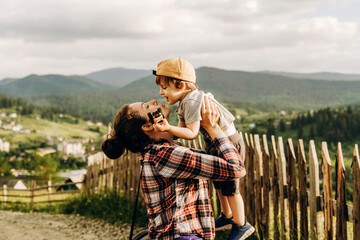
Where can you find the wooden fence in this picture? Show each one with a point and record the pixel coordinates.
(37, 195)
(291, 200)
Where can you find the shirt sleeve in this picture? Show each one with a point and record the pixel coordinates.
(192, 111)
(184, 163)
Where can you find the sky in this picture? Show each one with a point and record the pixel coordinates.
(82, 36)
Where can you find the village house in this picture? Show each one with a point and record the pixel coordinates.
(79, 180)
(13, 115)
(4, 146)
(16, 184)
(71, 147)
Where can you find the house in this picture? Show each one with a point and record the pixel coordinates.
(79, 179)
(16, 184)
(4, 146)
(71, 147)
(17, 128)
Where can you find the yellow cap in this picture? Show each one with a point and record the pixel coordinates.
(176, 68)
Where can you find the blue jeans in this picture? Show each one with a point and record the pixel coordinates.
(190, 236)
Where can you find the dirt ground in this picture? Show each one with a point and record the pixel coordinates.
(42, 226)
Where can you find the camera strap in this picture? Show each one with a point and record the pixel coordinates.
(136, 203)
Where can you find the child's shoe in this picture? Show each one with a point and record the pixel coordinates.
(223, 223)
(240, 232)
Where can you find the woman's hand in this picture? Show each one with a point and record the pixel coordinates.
(161, 127)
(210, 118)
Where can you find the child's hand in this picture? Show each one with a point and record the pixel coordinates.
(161, 127)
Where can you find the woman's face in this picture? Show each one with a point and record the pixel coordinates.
(151, 106)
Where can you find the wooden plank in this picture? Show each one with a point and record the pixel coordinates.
(258, 190)
(341, 210)
(199, 139)
(242, 180)
(327, 189)
(275, 187)
(314, 191)
(282, 186)
(250, 195)
(33, 186)
(292, 194)
(303, 199)
(356, 193)
(266, 188)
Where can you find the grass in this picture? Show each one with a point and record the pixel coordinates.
(41, 128)
(106, 205)
(115, 209)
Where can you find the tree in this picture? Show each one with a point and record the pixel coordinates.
(300, 132)
(282, 125)
(270, 128)
(311, 133)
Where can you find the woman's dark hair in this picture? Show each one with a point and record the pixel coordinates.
(127, 134)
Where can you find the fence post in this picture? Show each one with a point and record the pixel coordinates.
(49, 191)
(242, 154)
(275, 187)
(341, 208)
(314, 191)
(250, 196)
(356, 194)
(5, 194)
(303, 199)
(292, 194)
(282, 187)
(33, 186)
(258, 191)
(266, 188)
(327, 189)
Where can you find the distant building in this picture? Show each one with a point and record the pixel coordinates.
(79, 180)
(71, 147)
(282, 113)
(17, 128)
(16, 184)
(4, 146)
(17, 172)
(44, 151)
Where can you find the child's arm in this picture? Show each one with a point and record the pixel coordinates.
(189, 131)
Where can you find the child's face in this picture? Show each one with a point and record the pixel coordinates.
(171, 94)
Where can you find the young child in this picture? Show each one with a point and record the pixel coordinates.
(176, 79)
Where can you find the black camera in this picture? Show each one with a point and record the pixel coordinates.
(156, 117)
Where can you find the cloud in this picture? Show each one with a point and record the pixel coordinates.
(77, 36)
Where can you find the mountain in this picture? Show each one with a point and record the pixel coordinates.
(118, 77)
(260, 89)
(236, 88)
(319, 76)
(35, 85)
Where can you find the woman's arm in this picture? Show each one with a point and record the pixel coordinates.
(180, 162)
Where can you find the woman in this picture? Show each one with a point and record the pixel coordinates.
(174, 177)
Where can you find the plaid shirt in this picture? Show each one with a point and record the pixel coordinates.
(174, 184)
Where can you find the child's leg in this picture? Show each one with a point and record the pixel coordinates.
(225, 207)
(236, 204)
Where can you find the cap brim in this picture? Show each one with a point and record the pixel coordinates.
(154, 72)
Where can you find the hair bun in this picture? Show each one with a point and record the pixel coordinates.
(113, 147)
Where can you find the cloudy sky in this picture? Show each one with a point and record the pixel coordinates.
(83, 36)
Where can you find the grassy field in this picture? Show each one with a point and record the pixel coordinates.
(43, 128)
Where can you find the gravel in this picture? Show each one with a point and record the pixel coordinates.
(42, 226)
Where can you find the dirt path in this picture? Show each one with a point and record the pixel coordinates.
(42, 226)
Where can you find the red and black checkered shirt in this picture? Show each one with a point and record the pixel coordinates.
(175, 188)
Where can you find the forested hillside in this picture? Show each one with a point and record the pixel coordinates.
(35, 85)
